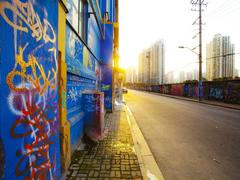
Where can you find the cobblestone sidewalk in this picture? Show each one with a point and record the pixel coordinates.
(111, 158)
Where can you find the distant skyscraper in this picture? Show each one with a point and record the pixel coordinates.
(236, 73)
(195, 74)
(157, 63)
(131, 75)
(189, 75)
(140, 67)
(220, 58)
(151, 64)
(144, 66)
(181, 76)
(169, 77)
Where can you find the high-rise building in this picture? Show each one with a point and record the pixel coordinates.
(236, 73)
(195, 74)
(189, 75)
(144, 66)
(169, 78)
(220, 58)
(140, 68)
(157, 63)
(151, 64)
(131, 75)
(181, 76)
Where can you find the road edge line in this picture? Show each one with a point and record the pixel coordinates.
(147, 162)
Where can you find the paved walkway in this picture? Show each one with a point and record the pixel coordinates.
(112, 158)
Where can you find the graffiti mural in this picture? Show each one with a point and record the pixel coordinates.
(233, 92)
(31, 129)
(216, 93)
(190, 90)
(76, 85)
(107, 86)
(83, 73)
(94, 114)
(176, 90)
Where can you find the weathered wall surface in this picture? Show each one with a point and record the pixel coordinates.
(29, 97)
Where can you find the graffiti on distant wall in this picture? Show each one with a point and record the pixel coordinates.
(227, 91)
(233, 93)
(216, 93)
(190, 90)
(177, 90)
(33, 87)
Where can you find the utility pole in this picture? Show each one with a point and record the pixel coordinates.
(199, 3)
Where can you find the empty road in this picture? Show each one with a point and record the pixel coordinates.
(189, 140)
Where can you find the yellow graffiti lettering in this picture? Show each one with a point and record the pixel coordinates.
(25, 12)
(41, 82)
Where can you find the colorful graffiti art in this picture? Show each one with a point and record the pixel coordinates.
(216, 93)
(233, 92)
(31, 79)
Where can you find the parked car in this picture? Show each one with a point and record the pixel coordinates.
(124, 90)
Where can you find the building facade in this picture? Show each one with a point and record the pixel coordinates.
(144, 66)
(220, 58)
(131, 75)
(181, 76)
(157, 63)
(151, 64)
(56, 51)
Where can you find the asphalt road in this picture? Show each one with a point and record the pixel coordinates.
(189, 140)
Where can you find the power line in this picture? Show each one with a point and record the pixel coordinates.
(225, 8)
(224, 55)
(177, 69)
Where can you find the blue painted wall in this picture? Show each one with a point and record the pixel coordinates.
(106, 56)
(29, 100)
(89, 64)
(75, 113)
(83, 73)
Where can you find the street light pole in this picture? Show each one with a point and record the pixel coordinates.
(200, 67)
(200, 52)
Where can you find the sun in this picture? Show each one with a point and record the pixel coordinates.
(126, 63)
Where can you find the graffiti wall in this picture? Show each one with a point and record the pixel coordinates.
(83, 74)
(107, 86)
(232, 92)
(30, 123)
(177, 89)
(106, 56)
(225, 91)
(75, 113)
(94, 36)
(190, 90)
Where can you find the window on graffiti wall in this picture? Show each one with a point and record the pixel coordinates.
(76, 16)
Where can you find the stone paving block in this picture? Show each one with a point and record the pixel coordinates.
(74, 173)
(111, 158)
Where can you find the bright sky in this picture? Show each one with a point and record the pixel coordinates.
(144, 22)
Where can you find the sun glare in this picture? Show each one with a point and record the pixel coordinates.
(125, 63)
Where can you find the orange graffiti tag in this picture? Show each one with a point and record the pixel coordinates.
(41, 82)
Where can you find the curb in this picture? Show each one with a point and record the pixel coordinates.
(193, 100)
(148, 165)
